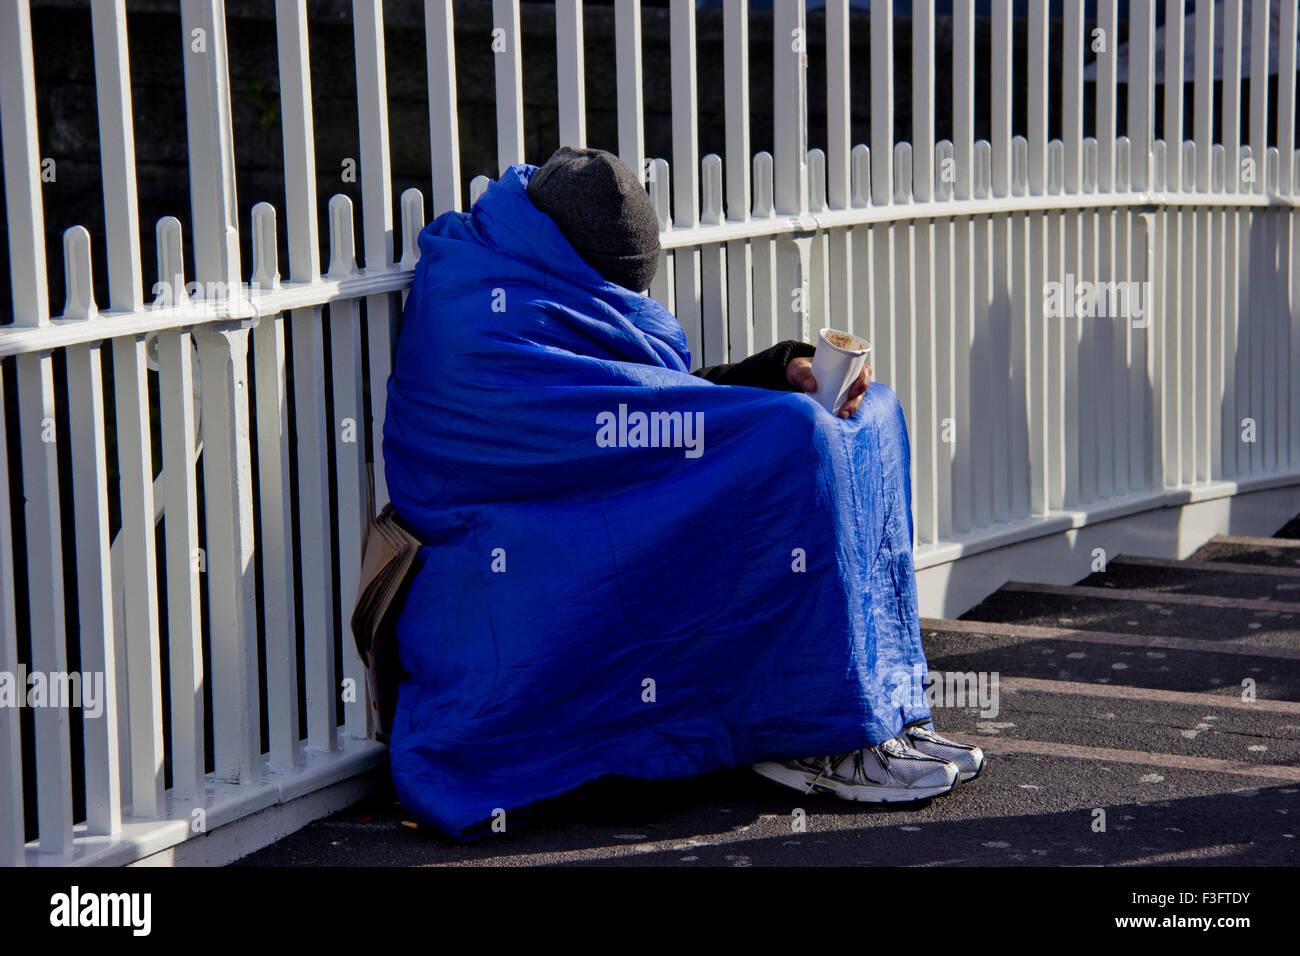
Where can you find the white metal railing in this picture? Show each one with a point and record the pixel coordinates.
(940, 253)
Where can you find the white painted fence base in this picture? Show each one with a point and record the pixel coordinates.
(237, 819)
(249, 834)
(953, 577)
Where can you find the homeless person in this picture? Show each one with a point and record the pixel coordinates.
(626, 568)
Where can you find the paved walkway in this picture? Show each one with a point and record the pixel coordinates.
(1120, 736)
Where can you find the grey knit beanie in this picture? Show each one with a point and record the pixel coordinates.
(603, 210)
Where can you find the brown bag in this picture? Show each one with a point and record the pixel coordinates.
(387, 567)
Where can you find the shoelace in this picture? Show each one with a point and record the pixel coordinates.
(859, 768)
(827, 764)
(924, 731)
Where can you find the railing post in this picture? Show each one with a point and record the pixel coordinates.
(627, 43)
(307, 327)
(508, 65)
(377, 215)
(790, 162)
(35, 372)
(12, 834)
(790, 108)
(223, 353)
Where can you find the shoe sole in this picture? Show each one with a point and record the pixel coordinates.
(799, 780)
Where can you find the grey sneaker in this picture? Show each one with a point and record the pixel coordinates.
(969, 759)
(892, 772)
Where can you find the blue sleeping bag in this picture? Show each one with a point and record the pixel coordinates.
(626, 569)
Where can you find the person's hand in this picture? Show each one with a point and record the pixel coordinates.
(800, 375)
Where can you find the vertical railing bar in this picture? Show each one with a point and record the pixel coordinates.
(686, 172)
(686, 175)
(837, 104)
(963, 102)
(945, 297)
(211, 156)
(790, 109)
(1217, 317)
(314, 521)
(1141, 100)
(1022, 299)
(185, 563)
(1175, 15)
(1294, 374)
(837, 297)
(1175, 299)
(275, 503)
(26, 223)
(1231, 126)
(1285, 311)
(94, 580)
(766, 300)
(1286, 81)
(902, 333)
(1075, 430)
(713, 268)
(659, 186)
(1001, 106)
(1108, 23)
(508, 67)
(1040, 377)
(117, 154)
(135, 466)
(969, 257)
(627, 42)
(349, 454)
(125, 290)
(1110, 438)
(923, 95)
(882, 103)
(1072, 96)
(1187, 325)
(1203, 92)
(40, 481)
(376, 218)
(741, 317)
(307, 325)
(1259, 24)
(227, 451)
(299, 140)
(12, 828)
(22, 161)
(570, 73)
(372, 114)
(736, 79)
(1037, 85)
(444, 128)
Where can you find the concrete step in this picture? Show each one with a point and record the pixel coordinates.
(1263, 623)
(1260, 582)
(1136, 660)
(1258, 739)
(1238, 549)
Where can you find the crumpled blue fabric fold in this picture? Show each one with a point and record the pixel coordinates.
(605, 593)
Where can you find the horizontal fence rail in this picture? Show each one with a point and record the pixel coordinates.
(1077, 328)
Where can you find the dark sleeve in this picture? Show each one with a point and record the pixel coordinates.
(766, 369)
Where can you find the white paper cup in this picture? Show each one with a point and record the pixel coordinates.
(836, 365)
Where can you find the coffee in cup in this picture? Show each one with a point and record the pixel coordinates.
(836, 365)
